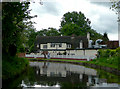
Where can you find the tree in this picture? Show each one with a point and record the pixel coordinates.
(69, 29)
(14, 20)
(49, 32)
(76, 22)
(94, 35)
(105, 37)
(31, 39)
(42, 32)
(52, 32)
(116, 7)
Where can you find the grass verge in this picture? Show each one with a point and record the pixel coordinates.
(67, 60)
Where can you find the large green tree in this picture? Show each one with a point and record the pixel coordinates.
(14, 20)
(76, 22)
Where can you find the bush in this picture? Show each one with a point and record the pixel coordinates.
(118, 51)
(107, 53)
(103, 53)
(113, 52)
(109, 57)
(13, 66)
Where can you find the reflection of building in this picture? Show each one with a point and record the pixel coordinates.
(58, 73)
(56, 69)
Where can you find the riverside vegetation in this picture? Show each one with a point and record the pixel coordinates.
(13, 66)
(108, 57)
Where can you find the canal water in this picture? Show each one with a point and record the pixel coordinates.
(49, 75)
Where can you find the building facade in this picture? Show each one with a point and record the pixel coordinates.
(60, 42)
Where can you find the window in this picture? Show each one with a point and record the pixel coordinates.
(56, 45)
(60, 44)
(68, 45)
(52, 45)
(45, 46)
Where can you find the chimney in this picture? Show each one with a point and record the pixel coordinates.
(73, 36)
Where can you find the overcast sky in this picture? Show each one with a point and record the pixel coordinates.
(102, 18)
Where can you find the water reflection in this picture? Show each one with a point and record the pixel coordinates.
(64, 76)
(46, 75)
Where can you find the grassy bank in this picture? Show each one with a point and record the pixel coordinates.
(13, 66)
(67, 60)
(112, 62)
(108, 58)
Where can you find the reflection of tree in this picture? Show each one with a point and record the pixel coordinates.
(45, 53)
(69, 85)
(44, 67)
(12, 83)
(111, 78)
(15, 83)
(30, 76)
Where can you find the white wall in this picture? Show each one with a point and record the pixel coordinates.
(90, 52)
(77, 54)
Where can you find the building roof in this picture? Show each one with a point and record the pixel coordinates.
(59, 39)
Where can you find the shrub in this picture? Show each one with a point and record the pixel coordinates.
(113, 52)
(118, 51)
(13, 66)
(107, 53)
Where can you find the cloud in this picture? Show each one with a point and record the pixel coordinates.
(52, 8)
(47, 8)
(47, 21)
(102, 18)
(104, 4)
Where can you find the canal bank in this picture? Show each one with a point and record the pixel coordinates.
(13, 67)
(83, 63)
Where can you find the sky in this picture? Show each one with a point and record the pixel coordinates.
(50, 14)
